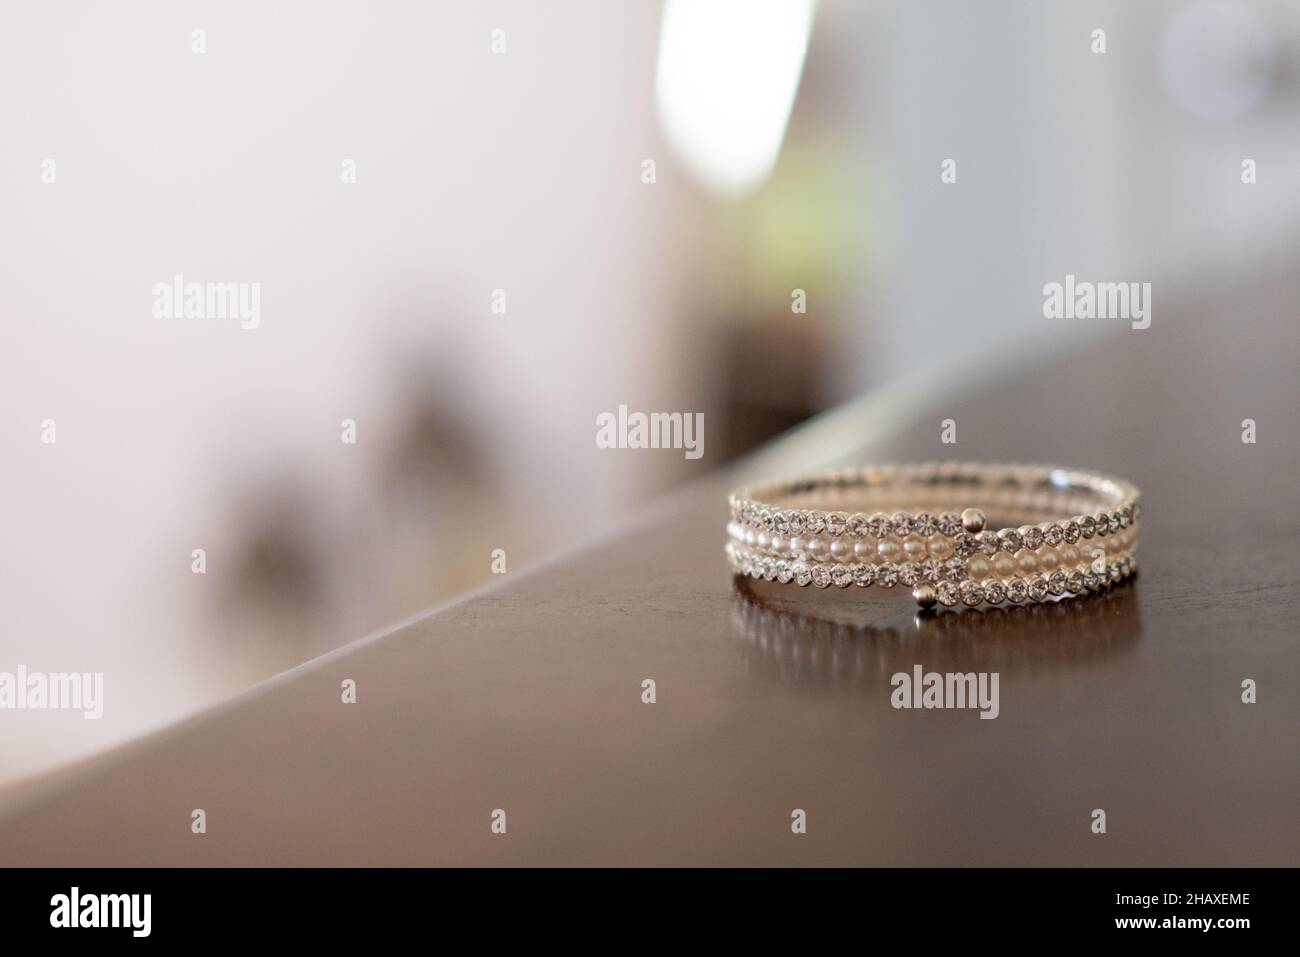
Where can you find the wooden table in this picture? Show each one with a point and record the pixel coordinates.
(528, 697)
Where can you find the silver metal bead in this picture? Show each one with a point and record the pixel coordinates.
(926, 594)
(972, 519)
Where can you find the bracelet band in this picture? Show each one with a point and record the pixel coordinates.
(952, 532)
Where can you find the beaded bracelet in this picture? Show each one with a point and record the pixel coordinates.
(931, 527)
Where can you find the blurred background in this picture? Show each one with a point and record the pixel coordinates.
(646, 188)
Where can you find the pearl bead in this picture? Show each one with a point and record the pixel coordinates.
(751, 537)
(1003, 565)
(762, 539)
(1049, 559)
(797, 545)
(977, 566)
(1026, 562)
(940, 547)
(864, 550)
(1069, 556)
(840, 548)
(914, 548)
(776, 543)
(889, 549)
(817, 547)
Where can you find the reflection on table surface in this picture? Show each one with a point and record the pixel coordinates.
(821, 640)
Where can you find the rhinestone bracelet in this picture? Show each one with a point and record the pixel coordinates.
(932, 528)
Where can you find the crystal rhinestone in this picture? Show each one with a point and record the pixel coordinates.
(964, 544)
(1087, 526)
(780, 523)
(1126, 516)
(932, 569)
(1113, 573)
(1016, 590)
(816, 522)
(988, 543)
(901, 523)
(1010, 541)
(949, 524)
(954, 569)
(802, 576)
(1102, 523)
(1058, 583)
(1053, 535)
(864, 574)
(1070, 531)
(747, 513)
(886, 575)
(971, 593)
(857, 525)
(1032, 536)
(821, 576)
(1091, 579)
(1116, 521)
(769, 569)
(908, 574)
(755, 568)
(947, 593)
(995, 592)
(841, 576)
(1074, 581)
(1037, 588)
(765, 519)
(836, 522)
(798, 523)
(784, 573)
(925, 524)
(878, 525)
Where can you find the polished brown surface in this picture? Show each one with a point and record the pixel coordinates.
(528, 697)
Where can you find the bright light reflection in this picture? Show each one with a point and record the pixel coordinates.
(726, 79)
